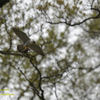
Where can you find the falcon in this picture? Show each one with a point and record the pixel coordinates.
(27, 43)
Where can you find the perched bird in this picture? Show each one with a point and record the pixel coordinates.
(27, 43)
(22, 49)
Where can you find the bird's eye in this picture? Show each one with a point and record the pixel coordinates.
(33, 42)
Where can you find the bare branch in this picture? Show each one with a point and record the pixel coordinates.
(33, 87)
(10, 53)
(40, 81)
(74, 24)
(56, 92)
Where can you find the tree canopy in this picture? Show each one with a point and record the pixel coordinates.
(68, 32)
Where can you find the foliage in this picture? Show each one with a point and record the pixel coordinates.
(68, 33)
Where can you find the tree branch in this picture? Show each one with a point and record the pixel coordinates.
(33, 87)
(78, 23)
(10, 53)
(40, 81)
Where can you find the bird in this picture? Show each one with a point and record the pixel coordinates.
(22, 49)
(27, 43)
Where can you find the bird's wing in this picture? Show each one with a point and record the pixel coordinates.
(36, 48)
(21, 34)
